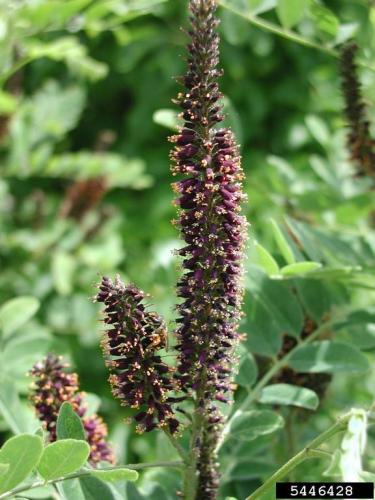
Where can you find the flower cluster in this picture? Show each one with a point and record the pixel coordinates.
(140, 379)
(51, 388)
(360, 143)
(209, 200)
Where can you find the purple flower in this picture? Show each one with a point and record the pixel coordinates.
(52, 387)
(139, 377)
(209, 199)
(360, 143)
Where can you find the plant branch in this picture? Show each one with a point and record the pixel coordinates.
(86, 472)
(254, 393)
(284, 32)
(176, 445)
(310, 451)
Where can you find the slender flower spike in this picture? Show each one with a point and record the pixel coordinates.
(139, 377)
(51, 388)
(360, 143)
(209, 198)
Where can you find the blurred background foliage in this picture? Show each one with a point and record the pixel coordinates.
(85, 113)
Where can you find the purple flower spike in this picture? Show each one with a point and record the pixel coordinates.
(51, 388)
(139, 378)
(209, 200)
(360, 143)
(210, 222)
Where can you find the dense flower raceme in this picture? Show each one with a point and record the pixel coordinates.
(51, 388)
(360, 143)
(140, 379)
(209, 199)
(210, 222)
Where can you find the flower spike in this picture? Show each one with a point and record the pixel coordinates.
(139, 378)
(52, 387)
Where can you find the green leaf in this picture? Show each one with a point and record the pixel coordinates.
(318, 128)
(18, 418)
(69, 50)
(282, 243)
(245, 470)
(94, 489)
(8, 103)
(248, 370)
(290, 12)
(112, 476)
(259, 6)
(266, 260)
(69, 425)
(325, 20)
(166, 118)
(251, 424)
(328, 356)
(28, 346)
(22, 454)
(300, 268)
(272, 310)
(286, 394)
(3, 470)
(63, 267)
(70, 490)
(62, 458)
(315, 296)
(16, 312)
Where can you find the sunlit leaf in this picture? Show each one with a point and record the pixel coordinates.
(16, 312)
(251, 424)
(266, 260)
(62, 458)
(300, 268)
(112, 476)
(286, 394)
(290, 12)
(22, 454)
(282, 243)
(328, 356)
(69, 425)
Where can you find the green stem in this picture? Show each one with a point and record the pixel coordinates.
(191, 474)
(176, 445)
(83, 473)
(254, 393)
(284, 32)
(309, 451)
(290, 437)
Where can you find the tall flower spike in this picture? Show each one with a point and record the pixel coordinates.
(139, 377)
(360, 143)
(51, 388)
(210, 222)
(209, 201)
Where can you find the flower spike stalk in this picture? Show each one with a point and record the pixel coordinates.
(52, 387)
(360, 143)
(209, 198)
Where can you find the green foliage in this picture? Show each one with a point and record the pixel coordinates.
(329, 356)
(113, 476)
(62, 458)
(85, 93)
(252, 424)
(15, 313)
(69, 425)
(286, 394)
(21, 454)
